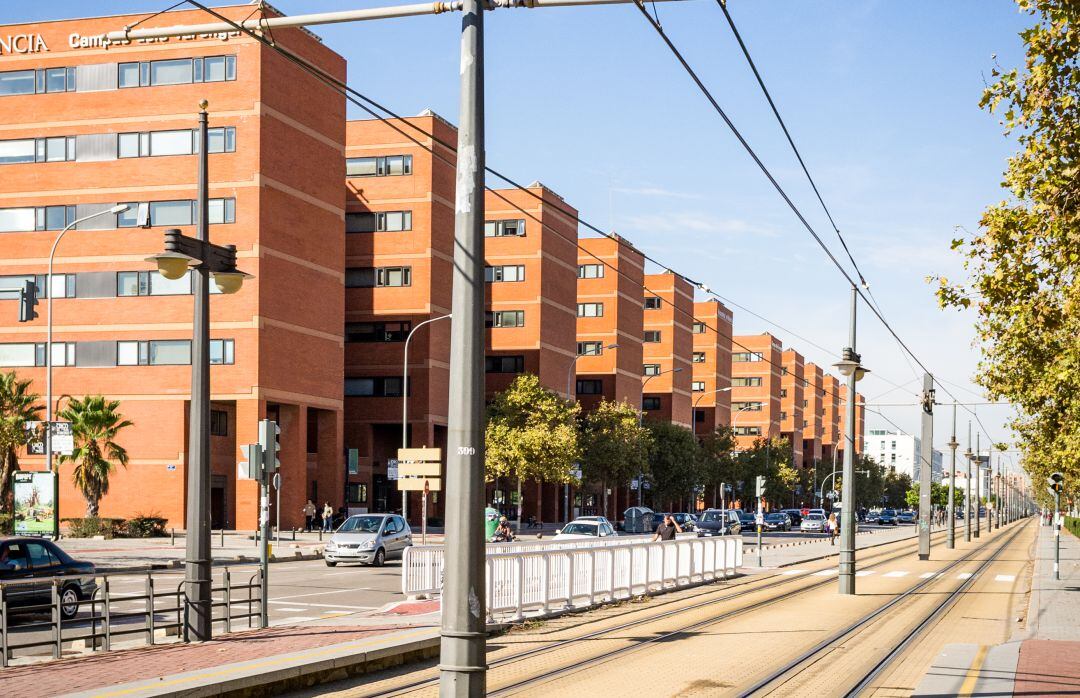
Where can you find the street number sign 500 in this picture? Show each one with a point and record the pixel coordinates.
(466, 451)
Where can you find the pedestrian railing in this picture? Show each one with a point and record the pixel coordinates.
(540, 580)
(156, 610)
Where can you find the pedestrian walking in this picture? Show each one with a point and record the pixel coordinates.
(309, 515)
(327, 517)
(667, 530)
(832, 527)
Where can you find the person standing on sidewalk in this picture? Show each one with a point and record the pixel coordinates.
(832, 528)
(327, 517)
(309, 515)
(668, 529)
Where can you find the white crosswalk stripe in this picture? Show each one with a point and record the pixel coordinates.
(896, 573)
(928, 575)
(827, 573)
(1005, 578)
(964, 575)
(864, 573)
(794, 572)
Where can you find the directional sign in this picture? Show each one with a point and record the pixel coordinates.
(419, 455)
(418, 469)
(417, 484)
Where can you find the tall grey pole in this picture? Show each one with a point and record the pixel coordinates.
(847, 487)
(462, 657)
(967, 490)
(926, 469)
(990, 493)
(997, 494)
(950, 536)
(264, 548)
(978, 484)
(199, 622)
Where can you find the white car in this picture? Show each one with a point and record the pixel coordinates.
(813, 523)
(580, 529)
(370, 539)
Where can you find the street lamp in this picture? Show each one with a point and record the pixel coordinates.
(48, 326)
(570, 396)
(641, 421)
(405, 403)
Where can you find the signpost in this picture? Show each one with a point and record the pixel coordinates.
(418, 470)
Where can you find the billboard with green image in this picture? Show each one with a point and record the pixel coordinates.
(35, 503)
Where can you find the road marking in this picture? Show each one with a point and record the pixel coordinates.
(309, 606)
(928, 575)
(321, 593)
(791, 573)
(296, 619)
(964, 575)
(864, 573)
(1005, 578)
(827, 573)
(289, 610)
(896, 573)
(972, 677)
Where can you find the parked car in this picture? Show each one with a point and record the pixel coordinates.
(795, 515)
(888, 517)
(369, 539)
(585, 528)
(777, 521)
(687, 522)
(716, 522)
(813, 522)
(748, 521)
(823, 513)
(906, 516)
(873, 515)
(40, 559)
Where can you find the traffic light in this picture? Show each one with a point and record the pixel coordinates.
(760, 485)
(268, 440)
(28, 301)
(251, 466)
(1057, 482)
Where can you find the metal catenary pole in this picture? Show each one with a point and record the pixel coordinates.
(199, 623)
(463, 647)
(847, 487)
(978, 485)
(950, 536)
(926, 469)
(967, 489)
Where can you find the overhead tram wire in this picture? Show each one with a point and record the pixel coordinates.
(355, 97)
(783, 194)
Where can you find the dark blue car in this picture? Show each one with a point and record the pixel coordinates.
(888, 517)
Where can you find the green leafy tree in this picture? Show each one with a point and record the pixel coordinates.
(1023, 264)
(896, 488)
(614, 445)
(18, 405)
(674, 462)
(718, 463)
(771, 458)
(531, 434)
(95, 423)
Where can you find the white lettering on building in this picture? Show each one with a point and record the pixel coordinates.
(22, 43)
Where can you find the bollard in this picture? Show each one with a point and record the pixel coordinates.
(172, 536)
(294, 533)
(256, 537)
(223, 537)
(320, 535)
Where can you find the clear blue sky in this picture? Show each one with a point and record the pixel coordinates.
(882, 98)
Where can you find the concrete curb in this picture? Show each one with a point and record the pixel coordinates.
(219, 562)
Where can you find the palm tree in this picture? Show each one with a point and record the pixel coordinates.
(17, 406)
(94, 424)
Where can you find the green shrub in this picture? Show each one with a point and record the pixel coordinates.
(5, 524)
(94, 526)
(145, 526)
(1073, 524)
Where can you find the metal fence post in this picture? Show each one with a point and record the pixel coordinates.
(264, 606)
(3, 629)
(150, 609)
(227, 577)
(56, 618)
(108, 616)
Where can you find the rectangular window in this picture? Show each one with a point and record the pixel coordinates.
(181, 212)
(652, 303)
(394, 276)
(650, 403)
(651, 370)
(699, 415)
(17, 219)
(590, 348)
(590, 310)
(27, 354)
(171, 142)
(805, 403)
(383, 166)
(698, 386)
(222, 351)
(17, 151)
(219, 423)
(170, 352)
(17, 82)
(751, 382)
(151, 283)
(746, 406)
(783, 392)
(746, 356)
(589, 386)
(651, 336)
(747, 431)
(698, 328)
(699, 357)
(383, 221)
(504, 364)
(507, 228)
(590, 271)
(783, 416)
(171, 212)
(506, 318)
(373, 387)
(360, 277)
(509, 272)
(177, 71)
(356, 492)
(377, 331)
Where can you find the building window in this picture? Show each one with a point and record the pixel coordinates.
(783, 416)
(389, 386)
(378, 222)
(170, 352)
(651, 336)
(590, 348)
(30, 218)
(504, 364)
(651, 370)
(381, 166)
(650, 403)
(698, 328)
(805, 423)
(28, 354)
(63, 286)
(219, 423)
(590, 310)
(509, 272)
(40, 81)
(176, 71)
(377, 331)
(590, 386)
(747, 431)
(357, 492)
(805, 403)
(652, 303)
(746, 356)
(394, 276)
(699, 415)
(697, 386)
(590, 271)
(53, 149)
(17, 82)
(749, 382)
(180, 212)
(151, 283)
(783, 392)
(507, 228)
(699, 357)
(505, 318)
(746, 407)
(178, 142)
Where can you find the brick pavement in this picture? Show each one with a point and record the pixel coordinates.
(111, 668)
(1048, 667)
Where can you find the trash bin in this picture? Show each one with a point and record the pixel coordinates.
(491, 522)
(638, 520)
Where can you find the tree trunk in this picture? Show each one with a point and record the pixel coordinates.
(91, 507)
(603, 484)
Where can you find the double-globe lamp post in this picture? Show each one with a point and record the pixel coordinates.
(203, 259)
(570, 396)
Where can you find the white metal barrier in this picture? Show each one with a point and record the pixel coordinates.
(540, 579)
